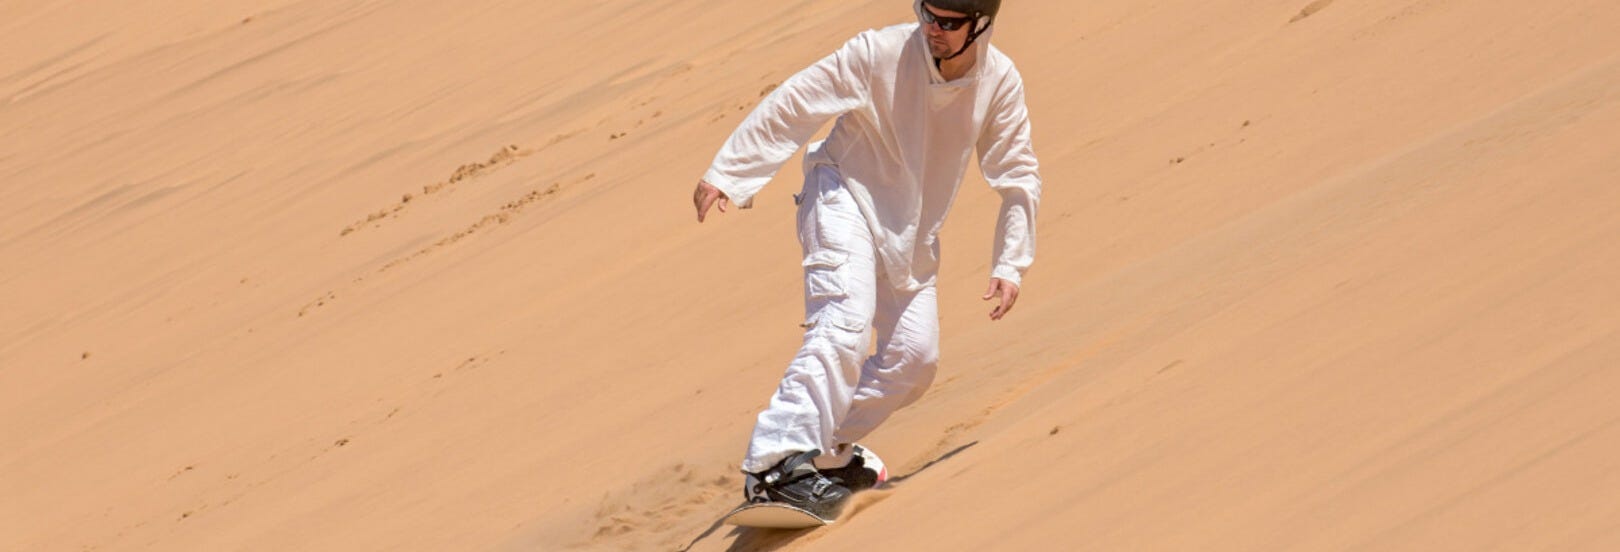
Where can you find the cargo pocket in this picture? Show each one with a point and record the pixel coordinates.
(821, 278)
(846, 324)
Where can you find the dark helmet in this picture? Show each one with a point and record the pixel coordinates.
(983, 13)
(974, 8)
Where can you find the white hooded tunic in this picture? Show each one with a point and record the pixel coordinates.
(901, 142)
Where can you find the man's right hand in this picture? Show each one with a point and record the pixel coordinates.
(706, 195)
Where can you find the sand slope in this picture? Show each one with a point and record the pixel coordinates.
(420, 276)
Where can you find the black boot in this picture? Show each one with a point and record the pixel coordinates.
(794, 481)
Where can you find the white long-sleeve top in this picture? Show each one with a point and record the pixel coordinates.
(901, 142)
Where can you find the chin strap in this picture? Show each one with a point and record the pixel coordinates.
(973, 35)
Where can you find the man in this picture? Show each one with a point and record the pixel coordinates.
(913, 101)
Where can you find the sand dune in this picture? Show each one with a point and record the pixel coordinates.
(424, 276)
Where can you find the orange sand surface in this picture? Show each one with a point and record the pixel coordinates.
(410, 275)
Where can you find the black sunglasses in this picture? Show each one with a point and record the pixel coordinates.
(945, 23)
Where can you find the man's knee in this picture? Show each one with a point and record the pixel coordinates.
(918, 353)
(926, 355)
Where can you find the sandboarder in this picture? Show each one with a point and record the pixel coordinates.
(913, 101)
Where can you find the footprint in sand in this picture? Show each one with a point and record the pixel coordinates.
(504, 215)
(502, 157)
(1311, 9)
(317, 303)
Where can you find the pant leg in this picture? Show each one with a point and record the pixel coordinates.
(904, 365)
(840, 271)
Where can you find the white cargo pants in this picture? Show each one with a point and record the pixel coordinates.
(834, 393)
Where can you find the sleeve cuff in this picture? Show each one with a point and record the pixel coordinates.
(730, 188)
(1009, 274)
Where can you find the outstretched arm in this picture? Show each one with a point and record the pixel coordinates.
(785, 120)
(1007, 159)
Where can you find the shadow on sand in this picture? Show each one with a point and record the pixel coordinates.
(751, 539)
(895, 481)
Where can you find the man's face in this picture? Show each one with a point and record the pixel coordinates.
(943, 43)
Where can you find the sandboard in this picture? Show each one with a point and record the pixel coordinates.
(775, 516)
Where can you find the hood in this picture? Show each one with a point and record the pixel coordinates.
(981, 52)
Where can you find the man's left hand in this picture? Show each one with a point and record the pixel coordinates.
(1007, 291)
